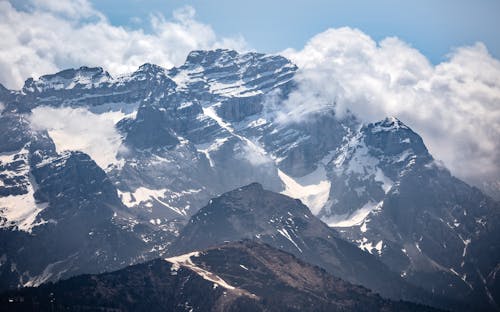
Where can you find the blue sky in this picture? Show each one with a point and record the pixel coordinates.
(433, 27)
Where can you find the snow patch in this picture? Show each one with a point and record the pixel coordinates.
(355, 218)
(257, 122)
(182, 79)
(363, 228)
(210, 112)
(143, 195)
(206, 149)
(418, 247)
(232, 89)
(285, 233)
(185, 261)
(140, 195)
(185, 105)
(466, 244)
(363, 244)
(379, 246)
(313, 189)
(354, 157)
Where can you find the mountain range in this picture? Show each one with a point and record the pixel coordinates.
(375, 208)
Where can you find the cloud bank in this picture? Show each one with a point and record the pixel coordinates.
(77, 129)
(454, 106)
(45, 36)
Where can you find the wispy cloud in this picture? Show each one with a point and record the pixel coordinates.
(454, 105)
(77, 129)
(46, 36)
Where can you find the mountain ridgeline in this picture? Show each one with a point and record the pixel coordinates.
(238, 276)
(375, 208)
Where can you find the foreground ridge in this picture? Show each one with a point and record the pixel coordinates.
(194, 282)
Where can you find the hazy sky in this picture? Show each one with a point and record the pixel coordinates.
(432, 26)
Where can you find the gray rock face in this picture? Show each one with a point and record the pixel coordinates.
(236, 109)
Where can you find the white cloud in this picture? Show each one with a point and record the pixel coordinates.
(77, 129)
(454, 106)
(51, 35)
(254, 153)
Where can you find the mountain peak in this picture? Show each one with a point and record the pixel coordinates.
(83, 77)
(209, 56)
(390, 123)
(77, 73)
(221, 58)
(151, 73)
(149, 67)
(394, 137)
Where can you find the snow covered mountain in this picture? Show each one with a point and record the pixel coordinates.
(395, 201)
(184, 135)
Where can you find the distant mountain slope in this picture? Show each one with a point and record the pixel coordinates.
(241, 276)
(251, 212)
